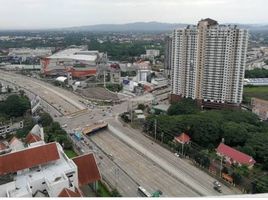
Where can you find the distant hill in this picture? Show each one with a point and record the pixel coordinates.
(148, 27)
(135, 27)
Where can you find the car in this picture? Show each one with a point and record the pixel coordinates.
(177, 155)
(217, 186)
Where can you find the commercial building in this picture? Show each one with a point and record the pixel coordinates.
(76, 60)
(25, 53)
(208, 63)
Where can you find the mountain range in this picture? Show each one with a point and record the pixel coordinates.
(147, 27)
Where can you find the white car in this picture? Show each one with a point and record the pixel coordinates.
(177, 155)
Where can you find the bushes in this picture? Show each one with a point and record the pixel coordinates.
(114, 87)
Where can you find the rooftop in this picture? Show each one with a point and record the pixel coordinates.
(162, 107)
(183, 138)
(27, 158)
(234, 154)
(76, 54)
(31, 138)
(85, 164)
(69, 193)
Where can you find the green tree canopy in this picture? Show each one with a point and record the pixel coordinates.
(15, 106)
(185, 106)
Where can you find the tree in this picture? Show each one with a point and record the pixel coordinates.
(45, 119)
(261, 185)
(185, 106)
(234, 134)
(259, 145)
(141, 106)
(15, 106)
(237, 178)
(115, 193)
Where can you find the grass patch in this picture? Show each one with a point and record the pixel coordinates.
(70, 153)
(258, 92)
(103, 190)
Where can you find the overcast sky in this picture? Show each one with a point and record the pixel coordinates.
(65, 13)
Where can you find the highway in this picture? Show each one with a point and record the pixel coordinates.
(135, 160)
(143, 170)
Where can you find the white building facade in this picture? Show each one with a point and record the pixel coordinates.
(208, 62)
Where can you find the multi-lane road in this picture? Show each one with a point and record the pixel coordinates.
(126, 157)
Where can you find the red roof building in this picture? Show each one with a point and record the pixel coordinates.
(31, 138)
(88, 171)
(69, 193)
(233, 156)
(30, 157)
(183, 138)
(3, 146)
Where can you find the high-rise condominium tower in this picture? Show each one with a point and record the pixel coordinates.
(208, 62)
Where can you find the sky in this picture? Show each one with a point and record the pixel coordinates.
(36, 14)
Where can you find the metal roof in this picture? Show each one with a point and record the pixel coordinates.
(76, 54)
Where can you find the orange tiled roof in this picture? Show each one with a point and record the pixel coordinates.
(88, 171)
(27, 158)
(31, 138)
(68, 193)
(183, 138)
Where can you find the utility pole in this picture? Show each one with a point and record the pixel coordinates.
(104, 78)
(221, 166)
(182, 144)
(155, 127)
(222, 140)
(131, 112)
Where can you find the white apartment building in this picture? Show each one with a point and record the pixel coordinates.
(208, 62)
(152, 52)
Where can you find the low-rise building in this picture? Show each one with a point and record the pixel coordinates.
(233, 156)
(256, 81)
(152, 52)
(44, 170)
(6, 128)
(183, 139)
(160, 108)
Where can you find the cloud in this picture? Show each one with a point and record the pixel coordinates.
(63, 13)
